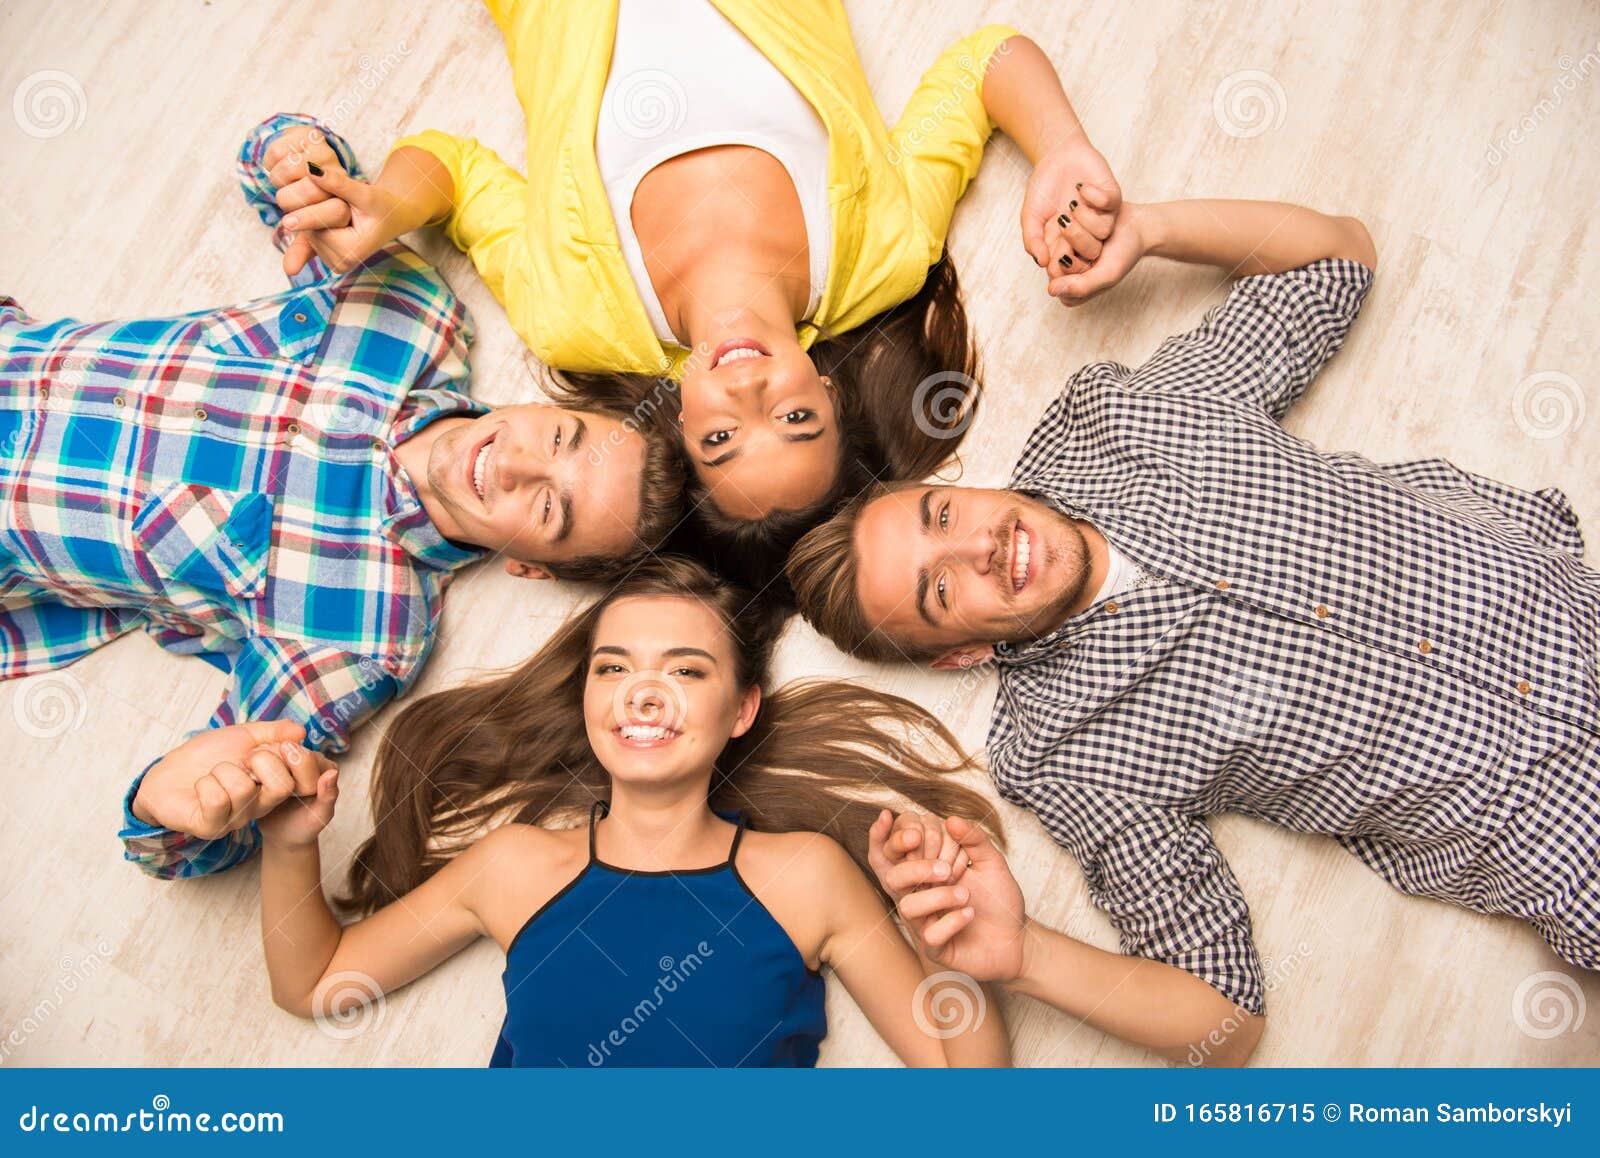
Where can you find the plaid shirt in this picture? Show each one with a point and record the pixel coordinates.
(227, 480)
(1400, 656)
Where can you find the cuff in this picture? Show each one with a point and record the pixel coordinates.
(131, 824)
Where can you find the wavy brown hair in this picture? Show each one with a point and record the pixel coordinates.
(823, 755)
(906, 384)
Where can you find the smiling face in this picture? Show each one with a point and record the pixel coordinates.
(525, 480)
(662, 697)
(760, 424)
(941, 568)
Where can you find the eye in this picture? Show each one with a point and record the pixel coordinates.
(716, 438)
(939, 590)
(692, 673)
(604, 669)
(555, 442)
(548, 503)
(795, 417)
(944, 517)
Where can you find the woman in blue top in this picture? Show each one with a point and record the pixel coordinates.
(720, 870)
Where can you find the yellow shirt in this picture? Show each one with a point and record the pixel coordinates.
(547, 245)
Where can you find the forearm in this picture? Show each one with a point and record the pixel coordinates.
(983, 1041)
(1024, 97)
(423, 191)
(299, 932)
(1249, 237)
(1149, 1003)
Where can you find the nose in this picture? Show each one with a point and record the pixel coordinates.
(976, 550)
(521, 464)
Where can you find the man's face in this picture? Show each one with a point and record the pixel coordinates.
(943, 568)
(528, 481)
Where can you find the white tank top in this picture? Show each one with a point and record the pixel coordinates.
(684, 78)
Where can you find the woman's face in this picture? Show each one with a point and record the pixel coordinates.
(760, 424)
(662, 697)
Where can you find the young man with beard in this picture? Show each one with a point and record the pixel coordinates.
(284, 488)
(1193, 612)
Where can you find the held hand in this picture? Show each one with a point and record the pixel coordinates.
(299, 821)
(1123, 250)
(889, 844)
(1070, 207)
(221, 779)
(976, 926)
(349, 221)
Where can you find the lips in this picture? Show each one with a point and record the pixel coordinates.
(737, 349)
(1021, 558)
(645, 735)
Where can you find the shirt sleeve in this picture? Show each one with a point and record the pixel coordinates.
(326, 690)
(1545, 515)
(1166, 887)
(938, 141)
(261, 194)
(489, 206)
(1267, 341)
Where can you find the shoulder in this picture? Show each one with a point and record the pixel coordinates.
(524, 848)
(514, 871)
(793, 860)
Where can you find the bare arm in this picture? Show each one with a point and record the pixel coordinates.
(1149, 1003)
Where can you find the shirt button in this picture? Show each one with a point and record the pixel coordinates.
(200, 413)
(1524, 687)
(119, 401)
(1111, 608)
(1424, 647)
(377, 445)
(294, 428)
(1223, 585)
(44, 393)
(300, 317)
(1322, 611)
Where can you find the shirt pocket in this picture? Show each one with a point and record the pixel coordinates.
(211, 539)
(277, 327)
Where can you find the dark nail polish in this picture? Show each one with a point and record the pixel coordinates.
(1065, 220)
(1066, 260)
(316, 170)
(1072, 205)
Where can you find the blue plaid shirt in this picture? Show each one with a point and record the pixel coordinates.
(226, 480)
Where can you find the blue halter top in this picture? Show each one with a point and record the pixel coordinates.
(626, 968)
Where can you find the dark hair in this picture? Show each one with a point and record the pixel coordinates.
(906, 384)
(824, 572)
(660, 501)
(822, 756)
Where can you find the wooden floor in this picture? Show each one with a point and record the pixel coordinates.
(1464, 134)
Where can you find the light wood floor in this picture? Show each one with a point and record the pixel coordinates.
(1399, 113)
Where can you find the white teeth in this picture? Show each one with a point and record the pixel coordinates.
(644, 732)
(1019, 563)
(478, 468)
(737, 354)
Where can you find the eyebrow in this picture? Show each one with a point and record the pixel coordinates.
(566, 517)
(671, 652)
(577, 436)
(810, 436)
(922, 575)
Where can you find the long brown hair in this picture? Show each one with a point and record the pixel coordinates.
(823, 755)
(907, 388)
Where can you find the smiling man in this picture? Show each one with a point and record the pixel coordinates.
(285, 488)
(1193, 612)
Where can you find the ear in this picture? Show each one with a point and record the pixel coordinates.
(963, 658)
(747, 712)
(526, 570)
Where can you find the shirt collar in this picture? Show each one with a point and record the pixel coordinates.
(408, 523)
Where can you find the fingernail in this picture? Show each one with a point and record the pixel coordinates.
(1065, 220)
(1061, 219)
(1066, 261)
(1079, 185)
(291, 752)
(316, 170)
(291, 223)
(941, 869)
(967, 912)
(1072, 205)
(961, 894)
